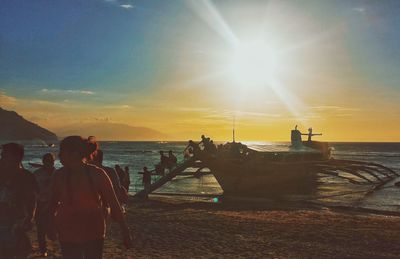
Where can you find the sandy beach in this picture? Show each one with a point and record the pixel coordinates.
(170, 228)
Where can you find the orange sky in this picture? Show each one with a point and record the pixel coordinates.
(195, 68)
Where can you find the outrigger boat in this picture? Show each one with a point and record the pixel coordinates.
(276, 170)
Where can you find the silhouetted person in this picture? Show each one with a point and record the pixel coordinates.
(296, 138)
(164, 161)
(44, 177)
(78, 191)
(205, 142)
(120, 173)
(146, 180)
(172, 160)
(192, 149)
(212, 149)
(120, 191)
(127, 180)
(310, 134)
(17, 203)
(123, 176)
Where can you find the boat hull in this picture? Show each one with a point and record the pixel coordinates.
(264, 180)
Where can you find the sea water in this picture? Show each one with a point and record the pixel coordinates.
(331, 191)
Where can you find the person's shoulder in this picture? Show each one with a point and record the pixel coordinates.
(96, 171)
(109, 169)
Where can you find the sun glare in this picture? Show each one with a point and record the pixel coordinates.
(252, 64)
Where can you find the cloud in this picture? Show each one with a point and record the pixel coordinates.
(84, 92)
(126, 6)
(122, 106)
(333, 108)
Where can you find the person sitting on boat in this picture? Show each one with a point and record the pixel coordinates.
(192, 149)
(205, 142)
(212, 149)
(164, 162)
(172, 160)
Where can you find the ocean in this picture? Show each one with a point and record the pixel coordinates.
(331, 191)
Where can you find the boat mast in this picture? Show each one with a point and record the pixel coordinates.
(233, 129)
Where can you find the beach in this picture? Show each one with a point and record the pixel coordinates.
(173, 228)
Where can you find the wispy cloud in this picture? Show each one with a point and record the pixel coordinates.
(333, 108)
(122, 106)
(61, 91)
(126, 6)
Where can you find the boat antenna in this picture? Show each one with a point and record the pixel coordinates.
(233, 128)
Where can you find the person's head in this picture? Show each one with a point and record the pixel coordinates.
(212, 141)
(93, 147)
(98, 157)
(144, 169)
(162, 153)
(170, 153)
(117, 167)
(12, 154)
(203, 137)
(74, 150)
(48, 160)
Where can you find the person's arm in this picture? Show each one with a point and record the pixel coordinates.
(108, 193)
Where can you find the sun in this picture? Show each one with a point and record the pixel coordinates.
(252, 64)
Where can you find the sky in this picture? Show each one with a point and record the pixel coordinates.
(194, 67)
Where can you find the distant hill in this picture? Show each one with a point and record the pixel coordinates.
(14, 127)
(111, 131)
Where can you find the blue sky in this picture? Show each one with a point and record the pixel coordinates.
(125, 53)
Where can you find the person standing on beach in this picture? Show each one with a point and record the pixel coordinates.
(17, 203)
(146, 180)
(127, 178)
(78, 190)
(123, 176)
(112, 174)
(43, 179)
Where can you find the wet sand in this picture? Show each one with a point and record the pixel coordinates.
(171, 228)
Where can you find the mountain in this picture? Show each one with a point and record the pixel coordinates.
(110, 131)
(15, 127)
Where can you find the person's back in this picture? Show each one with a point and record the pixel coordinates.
(78, 191)
(80, 215)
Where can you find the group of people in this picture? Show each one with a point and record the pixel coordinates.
(166, 162)
(71, 203)
(206, 144)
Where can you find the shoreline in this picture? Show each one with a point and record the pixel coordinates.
(172, 228)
